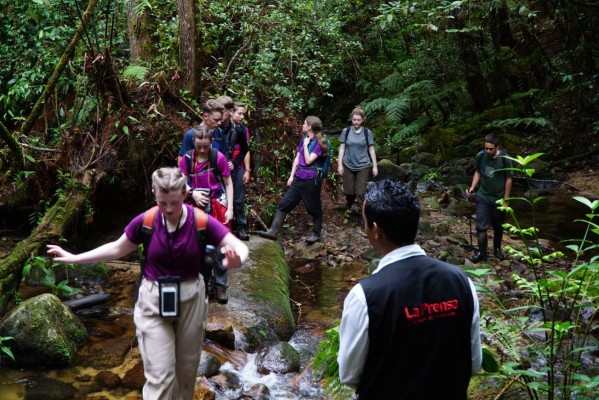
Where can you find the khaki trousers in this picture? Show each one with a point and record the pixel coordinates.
(170, 347)
(354, 183)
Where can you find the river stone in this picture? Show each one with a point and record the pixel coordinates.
(108, 379)
(389, 170)
(46, 333)
(49, 389)
(258, 391)
(209, 365)
(278, 357)
(134, 377)
(426, 159)
(407, 153)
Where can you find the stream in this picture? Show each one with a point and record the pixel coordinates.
(317, 291)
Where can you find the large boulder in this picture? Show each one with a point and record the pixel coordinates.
(258, 309)
(389, 170)
(46, 332)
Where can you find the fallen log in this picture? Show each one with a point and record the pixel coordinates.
(55, 224)
(87, 301)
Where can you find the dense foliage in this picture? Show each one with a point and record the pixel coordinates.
(440, 74)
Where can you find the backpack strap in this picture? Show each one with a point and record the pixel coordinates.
(479, 160)
(212, 158)
(345, 132)
(189, 155)
(147, 230)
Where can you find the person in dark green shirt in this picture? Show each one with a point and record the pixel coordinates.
(495, 183)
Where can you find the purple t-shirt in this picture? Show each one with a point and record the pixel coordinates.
(204, 176)
(303, 170)
(187, 259)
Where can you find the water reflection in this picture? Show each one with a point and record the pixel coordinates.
(554, 216)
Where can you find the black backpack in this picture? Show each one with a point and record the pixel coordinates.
(212, 159)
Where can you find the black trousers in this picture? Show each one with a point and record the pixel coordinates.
(306, 190)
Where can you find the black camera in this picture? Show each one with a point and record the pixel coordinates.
(208, 207)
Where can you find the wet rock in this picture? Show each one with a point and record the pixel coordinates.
(258, 308)
(49, 389)
(258, 391)
(209, 365)
(280, 358)
(311, 251)
(202, 393)
(221, 331)
(226, 381)
(46, 333)
(134, 378)
(108, 379)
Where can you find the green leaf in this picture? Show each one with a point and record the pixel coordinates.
(489, 364)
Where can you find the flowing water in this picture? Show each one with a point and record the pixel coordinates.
(316, 292)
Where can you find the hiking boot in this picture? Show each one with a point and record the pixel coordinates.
(313, 238)
(480, 256)
(315, 235)
(221, 295)
(210, 289)
(243, 235)
(275, 227)
(499, 255)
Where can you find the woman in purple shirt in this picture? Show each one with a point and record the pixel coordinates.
(170, 347)
(304, 183)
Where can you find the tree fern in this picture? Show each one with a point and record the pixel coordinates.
(136, 72)
(394, 82)
(398, 108)
(522, 123)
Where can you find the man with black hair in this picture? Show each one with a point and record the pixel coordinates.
(411, 329)
(495, 177)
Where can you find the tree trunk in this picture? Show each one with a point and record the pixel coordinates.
(475, 80)
(61, 216)
(13, 145)
(66, 56)
(189, 59)
(140, 43)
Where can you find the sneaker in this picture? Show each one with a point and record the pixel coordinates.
(243, 235)
(221, 295)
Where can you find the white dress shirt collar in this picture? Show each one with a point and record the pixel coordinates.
(399, 254)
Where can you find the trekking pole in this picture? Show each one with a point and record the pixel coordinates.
(470, 224)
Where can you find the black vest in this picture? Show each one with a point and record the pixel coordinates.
(420, 314)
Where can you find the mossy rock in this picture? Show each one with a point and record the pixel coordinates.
(46, 332)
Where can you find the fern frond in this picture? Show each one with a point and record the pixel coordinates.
(537, 123)
(87, 107)
(415, 128)
(136, 72)
(394, 82)
(376, 105)
(397, 109)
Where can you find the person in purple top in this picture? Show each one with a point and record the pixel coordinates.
(206, 193)
(170, 347)
(304, 183)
